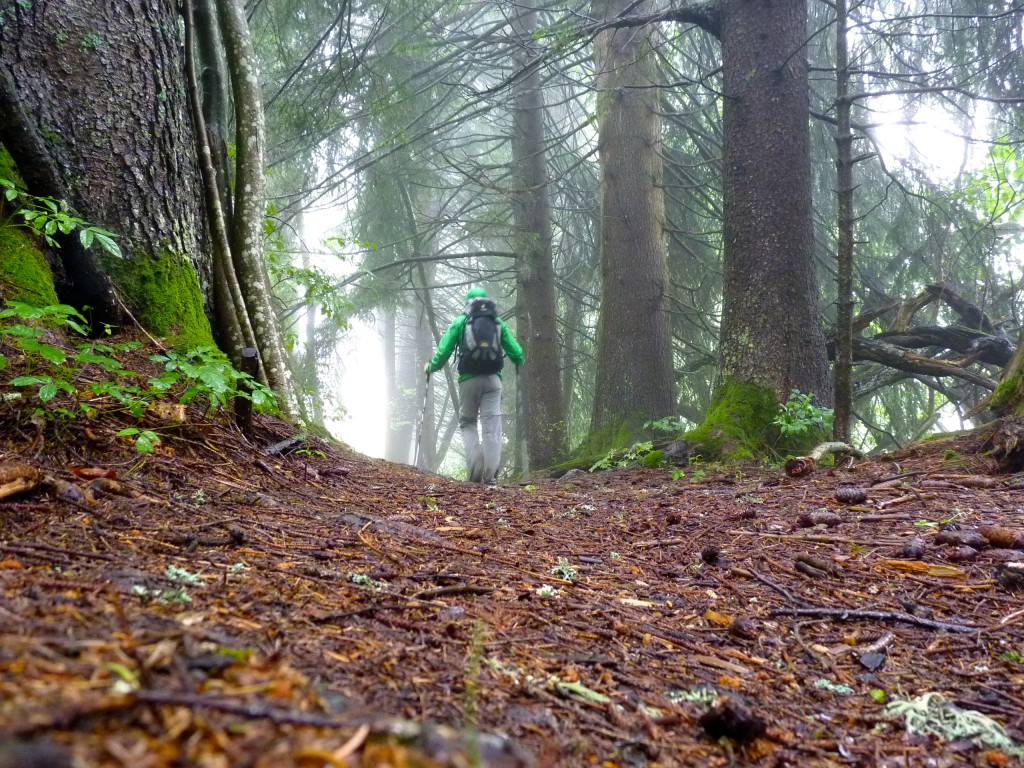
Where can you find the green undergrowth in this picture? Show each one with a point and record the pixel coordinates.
(747, 423)
(53, 372)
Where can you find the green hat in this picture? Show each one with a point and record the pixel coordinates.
(476, 293)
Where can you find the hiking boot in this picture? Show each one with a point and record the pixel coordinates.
(491, 485)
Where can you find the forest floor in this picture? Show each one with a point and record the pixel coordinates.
(214, 604)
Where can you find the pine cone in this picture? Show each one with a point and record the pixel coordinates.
(851, 494)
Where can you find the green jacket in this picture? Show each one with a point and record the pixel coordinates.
(450, 342)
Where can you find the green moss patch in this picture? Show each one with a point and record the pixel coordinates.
(1009, 395)
(738, 425)
(165, 295)
(24, 274)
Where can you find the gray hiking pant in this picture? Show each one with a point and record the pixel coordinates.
(481, 398)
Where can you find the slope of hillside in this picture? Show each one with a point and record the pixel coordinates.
(218, 604)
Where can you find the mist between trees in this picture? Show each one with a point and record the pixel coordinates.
(682, 208)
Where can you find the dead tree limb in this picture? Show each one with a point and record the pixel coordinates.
(904, 360)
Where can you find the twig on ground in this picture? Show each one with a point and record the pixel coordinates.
(847, 614)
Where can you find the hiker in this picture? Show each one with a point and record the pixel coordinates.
(478, 336)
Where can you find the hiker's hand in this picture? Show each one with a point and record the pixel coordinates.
(426, 369)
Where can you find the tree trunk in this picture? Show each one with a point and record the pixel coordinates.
(250, 203)
(395, 448)
(771, 332)
(102, 87)
(634, 348)
(843, 374)
(542, 417)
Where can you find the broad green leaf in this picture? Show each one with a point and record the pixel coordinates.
(90, 357)
(29, 381)
(108, 245)
(24, 331)
(54, 354)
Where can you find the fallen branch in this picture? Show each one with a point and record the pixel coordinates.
(800, 466)
(904, 499)
(848, 614)
(896, 357)
(768, 582)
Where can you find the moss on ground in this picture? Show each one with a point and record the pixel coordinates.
(165, 294)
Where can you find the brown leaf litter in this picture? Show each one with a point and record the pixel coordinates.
(216, 605)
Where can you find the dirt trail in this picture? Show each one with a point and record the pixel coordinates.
(214, 605)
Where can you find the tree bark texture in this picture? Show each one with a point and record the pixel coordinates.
(251, 200)
(103, 85)
(231, 325)
(536, 323)
(634, 349)
(843, 374)
(771, 326)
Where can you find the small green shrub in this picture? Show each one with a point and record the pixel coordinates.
(800, 415)
(46, 216)
(49, 371)
(206, 372)
(619, 459)
(671, 424)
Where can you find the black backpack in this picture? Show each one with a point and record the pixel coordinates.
(480, 345)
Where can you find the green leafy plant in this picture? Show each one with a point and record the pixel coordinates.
(366, 581)
(671, 424)
(957, 513)
(50, 370)
(206, 372)
(800, 415)
(145, 439)
(24, 327)
(616, 458)
(175, 595)
(46, 216)
(174, 573)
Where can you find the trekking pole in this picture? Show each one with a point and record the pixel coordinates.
(419, 424)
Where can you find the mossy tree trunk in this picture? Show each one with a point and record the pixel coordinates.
(101, 87)
(772, 340)
(1008, 399)
(544, 430)
(635, 379)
